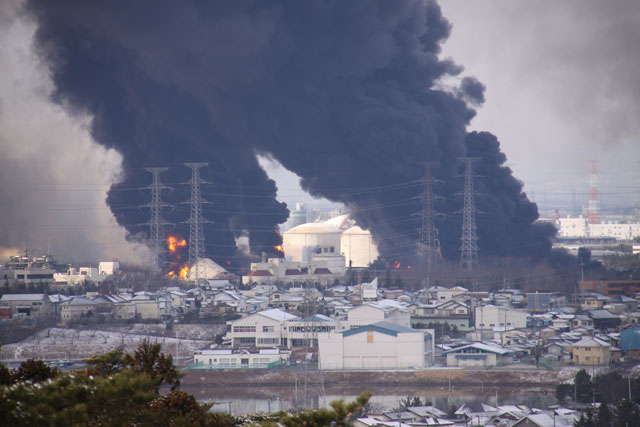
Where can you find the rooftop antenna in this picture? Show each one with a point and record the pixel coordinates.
(196, 221)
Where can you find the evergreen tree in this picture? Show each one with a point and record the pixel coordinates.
(34, 371)
(627, 413)
(583, 386)
(340, 414)
(604, 417)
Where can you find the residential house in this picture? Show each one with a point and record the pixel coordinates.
(383, 310)
(451, 312)
(78, 308)
(591, 351)
(604, 319)
(490, 316)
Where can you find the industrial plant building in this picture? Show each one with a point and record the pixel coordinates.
(580, 227)
(338, 235)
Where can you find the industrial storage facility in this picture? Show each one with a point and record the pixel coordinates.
(338, 235)
(358, 247)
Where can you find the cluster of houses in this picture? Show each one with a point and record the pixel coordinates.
(369, 327)
(473, 414)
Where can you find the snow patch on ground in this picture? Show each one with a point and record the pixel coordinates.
(75, 344)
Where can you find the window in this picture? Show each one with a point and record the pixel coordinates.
(369, 336)
(268, 328)
(244, 329)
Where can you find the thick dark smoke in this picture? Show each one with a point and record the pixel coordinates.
(343, 93)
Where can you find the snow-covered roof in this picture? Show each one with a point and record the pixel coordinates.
(22, 297)
(79, 301)
(482, 347)
(219, 352)
(590, 342)
(277, 314)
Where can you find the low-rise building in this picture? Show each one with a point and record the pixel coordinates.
(382, 345)
(33, 306)
(591, 351)
(491, 316)
(78, 308)
(478, 355)
(383, 310)
(238, 359)
(266, 328)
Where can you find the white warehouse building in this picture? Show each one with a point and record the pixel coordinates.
(382, 345)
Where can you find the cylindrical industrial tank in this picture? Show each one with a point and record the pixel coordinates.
(311, 235)
(358, 247)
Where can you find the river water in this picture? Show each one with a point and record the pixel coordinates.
(247, 400)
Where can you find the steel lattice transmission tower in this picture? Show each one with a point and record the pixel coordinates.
(469, 248)
(593, 208)
(428, 243)
(196, 221)
(156, 222)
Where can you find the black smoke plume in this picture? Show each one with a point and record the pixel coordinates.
(349, 95)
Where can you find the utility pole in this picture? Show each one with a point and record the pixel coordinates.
(581, 278)
(156, 221)
(196, 221)
(428, 243)
(469, 248)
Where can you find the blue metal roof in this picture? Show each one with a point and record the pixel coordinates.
(382, 327)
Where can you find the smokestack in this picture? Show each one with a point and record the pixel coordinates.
(341, 93)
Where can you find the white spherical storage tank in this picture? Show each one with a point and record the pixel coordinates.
(358, 247)
(299, 242)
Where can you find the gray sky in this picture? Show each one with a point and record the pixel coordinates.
(562, 87)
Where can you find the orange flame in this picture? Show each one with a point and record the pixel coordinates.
(409, 267)
(279, 248)
(397, 264)
(184, 272)
(173, 243)
(171, 273)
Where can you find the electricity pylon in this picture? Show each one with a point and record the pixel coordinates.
(156, 221)
(469, 247)
(196, 221)
(428, 242)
